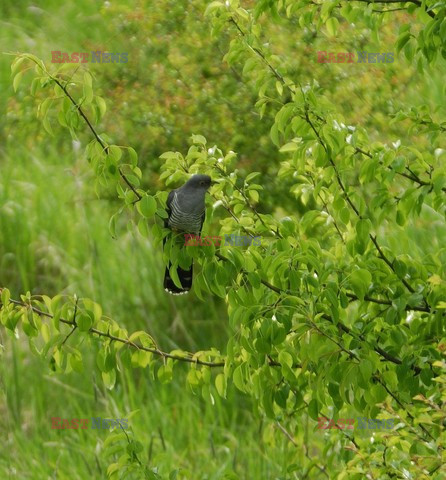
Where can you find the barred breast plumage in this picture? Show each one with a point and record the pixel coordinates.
(182, 219)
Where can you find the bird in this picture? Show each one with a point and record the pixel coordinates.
(186, 213)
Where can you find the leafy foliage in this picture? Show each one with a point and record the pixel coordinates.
(340, 311)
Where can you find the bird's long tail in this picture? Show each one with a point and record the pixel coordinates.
(185, 277)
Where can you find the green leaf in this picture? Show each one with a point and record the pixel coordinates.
(198, 139)
(34, 86)
(313, 409)
(17, 80)
(109, 379)
(146, 206)
(84, 321)
(141, 358)
(345, 214)
(47, 126)
(400, 218)
(133, 156)
(174, 276)
(101, 105)
(213, 6)
(88, 94)
(289, 147)
(6, 295)
(267, 402)
(88, 79)
(366, 369)
(16, 64)
(254, 195)
(112, 224)
(275, 134)
(237, 378)
(402, 40)
(115, 152)
(220, 384)
(360, 281)
(400, 267)
(332, 25)
(363, 230)
(174, 474)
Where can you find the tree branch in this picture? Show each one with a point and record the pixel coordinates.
(413, 177)
(380, 301)
(95, 331)
(390, 2)
(114, 338)
(90, 126)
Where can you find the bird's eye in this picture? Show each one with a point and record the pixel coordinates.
(201, 183)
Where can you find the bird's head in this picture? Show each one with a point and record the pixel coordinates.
(199, 182)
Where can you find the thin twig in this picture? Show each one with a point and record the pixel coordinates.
(418, 3)
(413, 176)
(95, 331)
(90, 126)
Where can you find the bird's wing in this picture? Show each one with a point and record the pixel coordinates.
(168, 202)
(202, 219)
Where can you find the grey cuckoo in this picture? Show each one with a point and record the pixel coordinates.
(186, 210)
